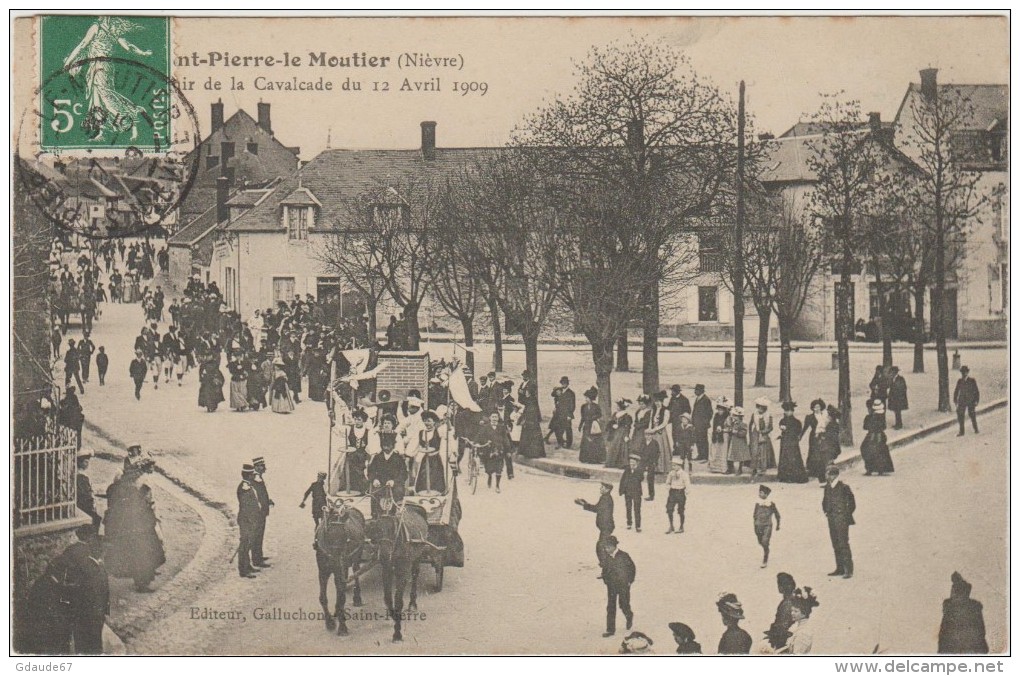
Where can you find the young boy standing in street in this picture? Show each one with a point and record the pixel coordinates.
(679, 483)
(764, 510)
(630, 489)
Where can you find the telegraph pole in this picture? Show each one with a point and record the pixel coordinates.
(738, 273)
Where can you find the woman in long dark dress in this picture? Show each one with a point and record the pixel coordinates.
(618, 432)
(593, 446)
(642, 421)
(829, 442)
(791, 464)
(134, 546)
(431, 476)
(317, 373)
(210, 389)
(815, 464)
(875, 447)
(531, 444)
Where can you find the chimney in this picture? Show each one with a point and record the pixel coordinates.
(222, 193)
(875, 123)
(217, 116)
(428, 140)
(264, 120)
(929, 82)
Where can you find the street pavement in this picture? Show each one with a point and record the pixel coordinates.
(529, 584)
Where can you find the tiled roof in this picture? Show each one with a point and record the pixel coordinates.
(194, 230)
(336, 176)
(788, 159)
(989, 103)
(247, 198)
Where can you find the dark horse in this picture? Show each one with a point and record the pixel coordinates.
(339, 540)
(402, 544)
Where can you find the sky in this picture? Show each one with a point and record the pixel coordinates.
(786, 63)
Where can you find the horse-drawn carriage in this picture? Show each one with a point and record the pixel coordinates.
(368, 524)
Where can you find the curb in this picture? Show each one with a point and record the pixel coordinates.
(218, 522)
(576, 470)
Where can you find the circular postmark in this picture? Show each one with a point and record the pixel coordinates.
(109, 148)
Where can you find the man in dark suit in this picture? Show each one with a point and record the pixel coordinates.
(563, 414)
(678, 405)
(838, 504)
(258, 557)
(387, 468)
(701, 418)
(84, 496)
(630, 489)
(618, 575)
(966, 397)
(92, 605)
(249, 514)
(603, 519)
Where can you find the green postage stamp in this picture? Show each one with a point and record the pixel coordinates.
(105, 82)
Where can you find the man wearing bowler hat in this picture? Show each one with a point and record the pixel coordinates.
(701, 418)
(618, 575)
(838, 504)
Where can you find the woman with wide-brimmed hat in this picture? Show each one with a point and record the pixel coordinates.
(661, 432)
(281, 398)
(593, 445)
(720, 437)
(791, 463)
(618, 433)
(759, 438)
(734, 641)
(642, 421)
(814, 428)
(875, 447)
(738, 452)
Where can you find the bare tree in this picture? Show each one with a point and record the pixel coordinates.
(454, 285)
(796, 249)
(949, 194)
(384, 239)
(353, 255)
(846, 161)
(640, 119)
(511, 247)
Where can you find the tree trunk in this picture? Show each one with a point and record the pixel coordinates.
(602, 356)
(846, 428)
(764, 318)
(650, 342)
(938, 316)
(622, 358)
(370, 307)
(883, 316)
(468, 325)
(412, 327)
(919, 288)
(531, 361)
(785, 393)
(497, 334)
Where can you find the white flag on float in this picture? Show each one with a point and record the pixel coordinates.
(459, 391)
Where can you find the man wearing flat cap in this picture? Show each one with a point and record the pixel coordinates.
(603, 518)
(318, 492)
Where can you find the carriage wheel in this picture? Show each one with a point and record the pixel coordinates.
(439, 576)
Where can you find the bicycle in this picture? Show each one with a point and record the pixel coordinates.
(474, 466)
